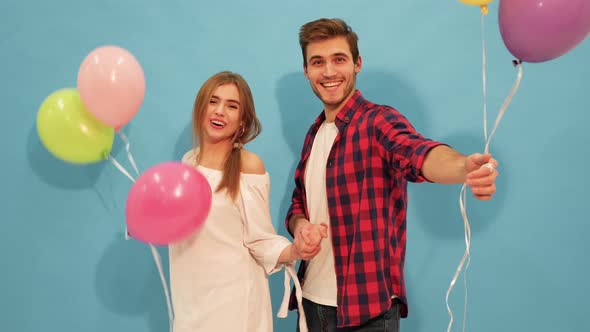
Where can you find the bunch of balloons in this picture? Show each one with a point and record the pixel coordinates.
(78, 125)
(169, 201)
(540, 30)
(532, 31)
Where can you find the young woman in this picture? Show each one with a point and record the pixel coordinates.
(218, 276)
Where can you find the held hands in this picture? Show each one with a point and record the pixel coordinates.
(308, 238)
(481, 175)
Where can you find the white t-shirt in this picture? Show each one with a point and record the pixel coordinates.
(320, 276)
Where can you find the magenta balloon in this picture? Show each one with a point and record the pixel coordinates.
(167, 203)
(541, 30)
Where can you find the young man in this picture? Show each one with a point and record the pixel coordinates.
(350, 197)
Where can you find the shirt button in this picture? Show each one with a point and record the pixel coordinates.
(330, 163)
(346, 119)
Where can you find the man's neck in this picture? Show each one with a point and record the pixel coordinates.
(331, 111)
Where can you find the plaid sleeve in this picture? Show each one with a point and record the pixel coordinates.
(406, 149)
(296, 199)
(298, 196)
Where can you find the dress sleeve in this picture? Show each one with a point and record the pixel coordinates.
(260, 236)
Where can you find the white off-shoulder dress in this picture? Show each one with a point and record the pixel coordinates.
(218, 276)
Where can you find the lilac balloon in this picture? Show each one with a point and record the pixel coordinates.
(167, 203)
(541, 30)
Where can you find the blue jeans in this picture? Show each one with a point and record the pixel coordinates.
(322, 318)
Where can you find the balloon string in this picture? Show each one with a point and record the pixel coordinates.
(158, 261)
(507, 101)
(466, 256)
(121, 168)
(466, 259)
(131, 161)
(128, 149)
(484, 78)
(126, 173)
(467, 229)
(463, 196)
(155, 254)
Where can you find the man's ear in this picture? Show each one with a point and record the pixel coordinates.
(358, 65)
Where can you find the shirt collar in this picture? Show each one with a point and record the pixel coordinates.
(347, 111)
(351, 106)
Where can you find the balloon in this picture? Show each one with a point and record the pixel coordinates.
(112, 85)
(481, 3)
(70, 132)
(167, 203)
(541, 30)
(476, 2)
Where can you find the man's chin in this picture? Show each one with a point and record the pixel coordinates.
(332, 102)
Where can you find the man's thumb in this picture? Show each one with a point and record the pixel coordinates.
(324, 230)
(481, 159)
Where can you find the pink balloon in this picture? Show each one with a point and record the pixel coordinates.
(167, 203)
(541, 30)
(111, 85)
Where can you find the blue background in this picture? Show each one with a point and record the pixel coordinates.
(65, 263)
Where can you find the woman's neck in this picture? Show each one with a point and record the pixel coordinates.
(213, 155)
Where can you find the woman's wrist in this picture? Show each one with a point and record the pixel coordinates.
(295, 256)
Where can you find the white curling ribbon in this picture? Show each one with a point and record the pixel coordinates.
(155, 254)
(466, 259)
(158, 261)
(131, 161)
(128, 149)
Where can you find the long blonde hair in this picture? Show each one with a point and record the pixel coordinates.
(247, 132)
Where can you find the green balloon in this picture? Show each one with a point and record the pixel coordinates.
(70, 132)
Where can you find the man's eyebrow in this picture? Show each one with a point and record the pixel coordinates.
(313, 57)
(340, 54)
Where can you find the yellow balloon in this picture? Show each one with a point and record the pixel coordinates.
(70, 132)
(483, 4)
(476, 2)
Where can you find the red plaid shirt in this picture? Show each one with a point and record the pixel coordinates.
(374, 155)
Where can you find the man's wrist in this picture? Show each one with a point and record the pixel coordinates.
(299, 223)
(296, 222)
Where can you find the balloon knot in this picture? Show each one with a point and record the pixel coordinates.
(516, 62)
(484, 9)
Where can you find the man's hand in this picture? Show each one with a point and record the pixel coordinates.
(481, 175)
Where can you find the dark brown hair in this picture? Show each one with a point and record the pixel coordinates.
(326, 28)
